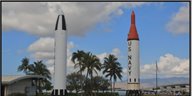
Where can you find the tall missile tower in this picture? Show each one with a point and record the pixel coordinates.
(133, 84)
(60, 57)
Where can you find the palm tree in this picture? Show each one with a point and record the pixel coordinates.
(87, 62)
(91, 64)
(38, 68)
(24, 66)
(112, 69)
(77, 59)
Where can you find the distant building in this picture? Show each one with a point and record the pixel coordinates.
(175, 87)
(20, 84)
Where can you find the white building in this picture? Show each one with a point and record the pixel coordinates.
(19, 84)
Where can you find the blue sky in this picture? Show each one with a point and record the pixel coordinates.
(159, 39)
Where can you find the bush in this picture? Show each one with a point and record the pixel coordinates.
(69, 94)
(107, 94)
(17, 94)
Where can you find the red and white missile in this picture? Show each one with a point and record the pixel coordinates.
(60, 57)
(133, 57)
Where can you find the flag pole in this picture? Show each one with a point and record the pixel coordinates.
(156, 77)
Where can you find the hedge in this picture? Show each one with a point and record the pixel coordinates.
(96, 94)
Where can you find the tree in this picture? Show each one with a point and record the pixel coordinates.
(77, 59)
(100, 83)
(112, 69)
(24, 65)
(96, 82)
(47, 85)
(91, 64)
(37, 68)
(104, 84)
(87, 62)
(74, 81)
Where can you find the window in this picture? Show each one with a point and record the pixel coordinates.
(134, 80)
(129, 80)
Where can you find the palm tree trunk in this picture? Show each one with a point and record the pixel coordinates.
(36, 85)
(39, 87)
(81, 84)
(113, 86)
(91, 84)
(86, 81)
(87, 75)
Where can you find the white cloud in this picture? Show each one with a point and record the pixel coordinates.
(116, 52)
(50, 62)
(45, 44)
(182, 67)
(179, 23)
(168, 65)
(102, 56)
(125, 72)
(39, 17)
(43, 49)
(43, 55)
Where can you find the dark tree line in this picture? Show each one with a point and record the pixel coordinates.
(85, 62)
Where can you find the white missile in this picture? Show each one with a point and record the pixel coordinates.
(133, 85)
(60, 57)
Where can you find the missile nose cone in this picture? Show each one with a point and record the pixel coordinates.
(60, 24)
(60, 12)
(133, 35)
(132, 13)
(133, 17)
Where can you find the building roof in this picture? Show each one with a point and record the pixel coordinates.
(9, 79)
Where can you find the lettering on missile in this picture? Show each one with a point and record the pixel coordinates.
(129, 43)
(129, 67)
(129, 49)
(129, 62)
(129, 57)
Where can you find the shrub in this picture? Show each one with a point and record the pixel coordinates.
(17, 94)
